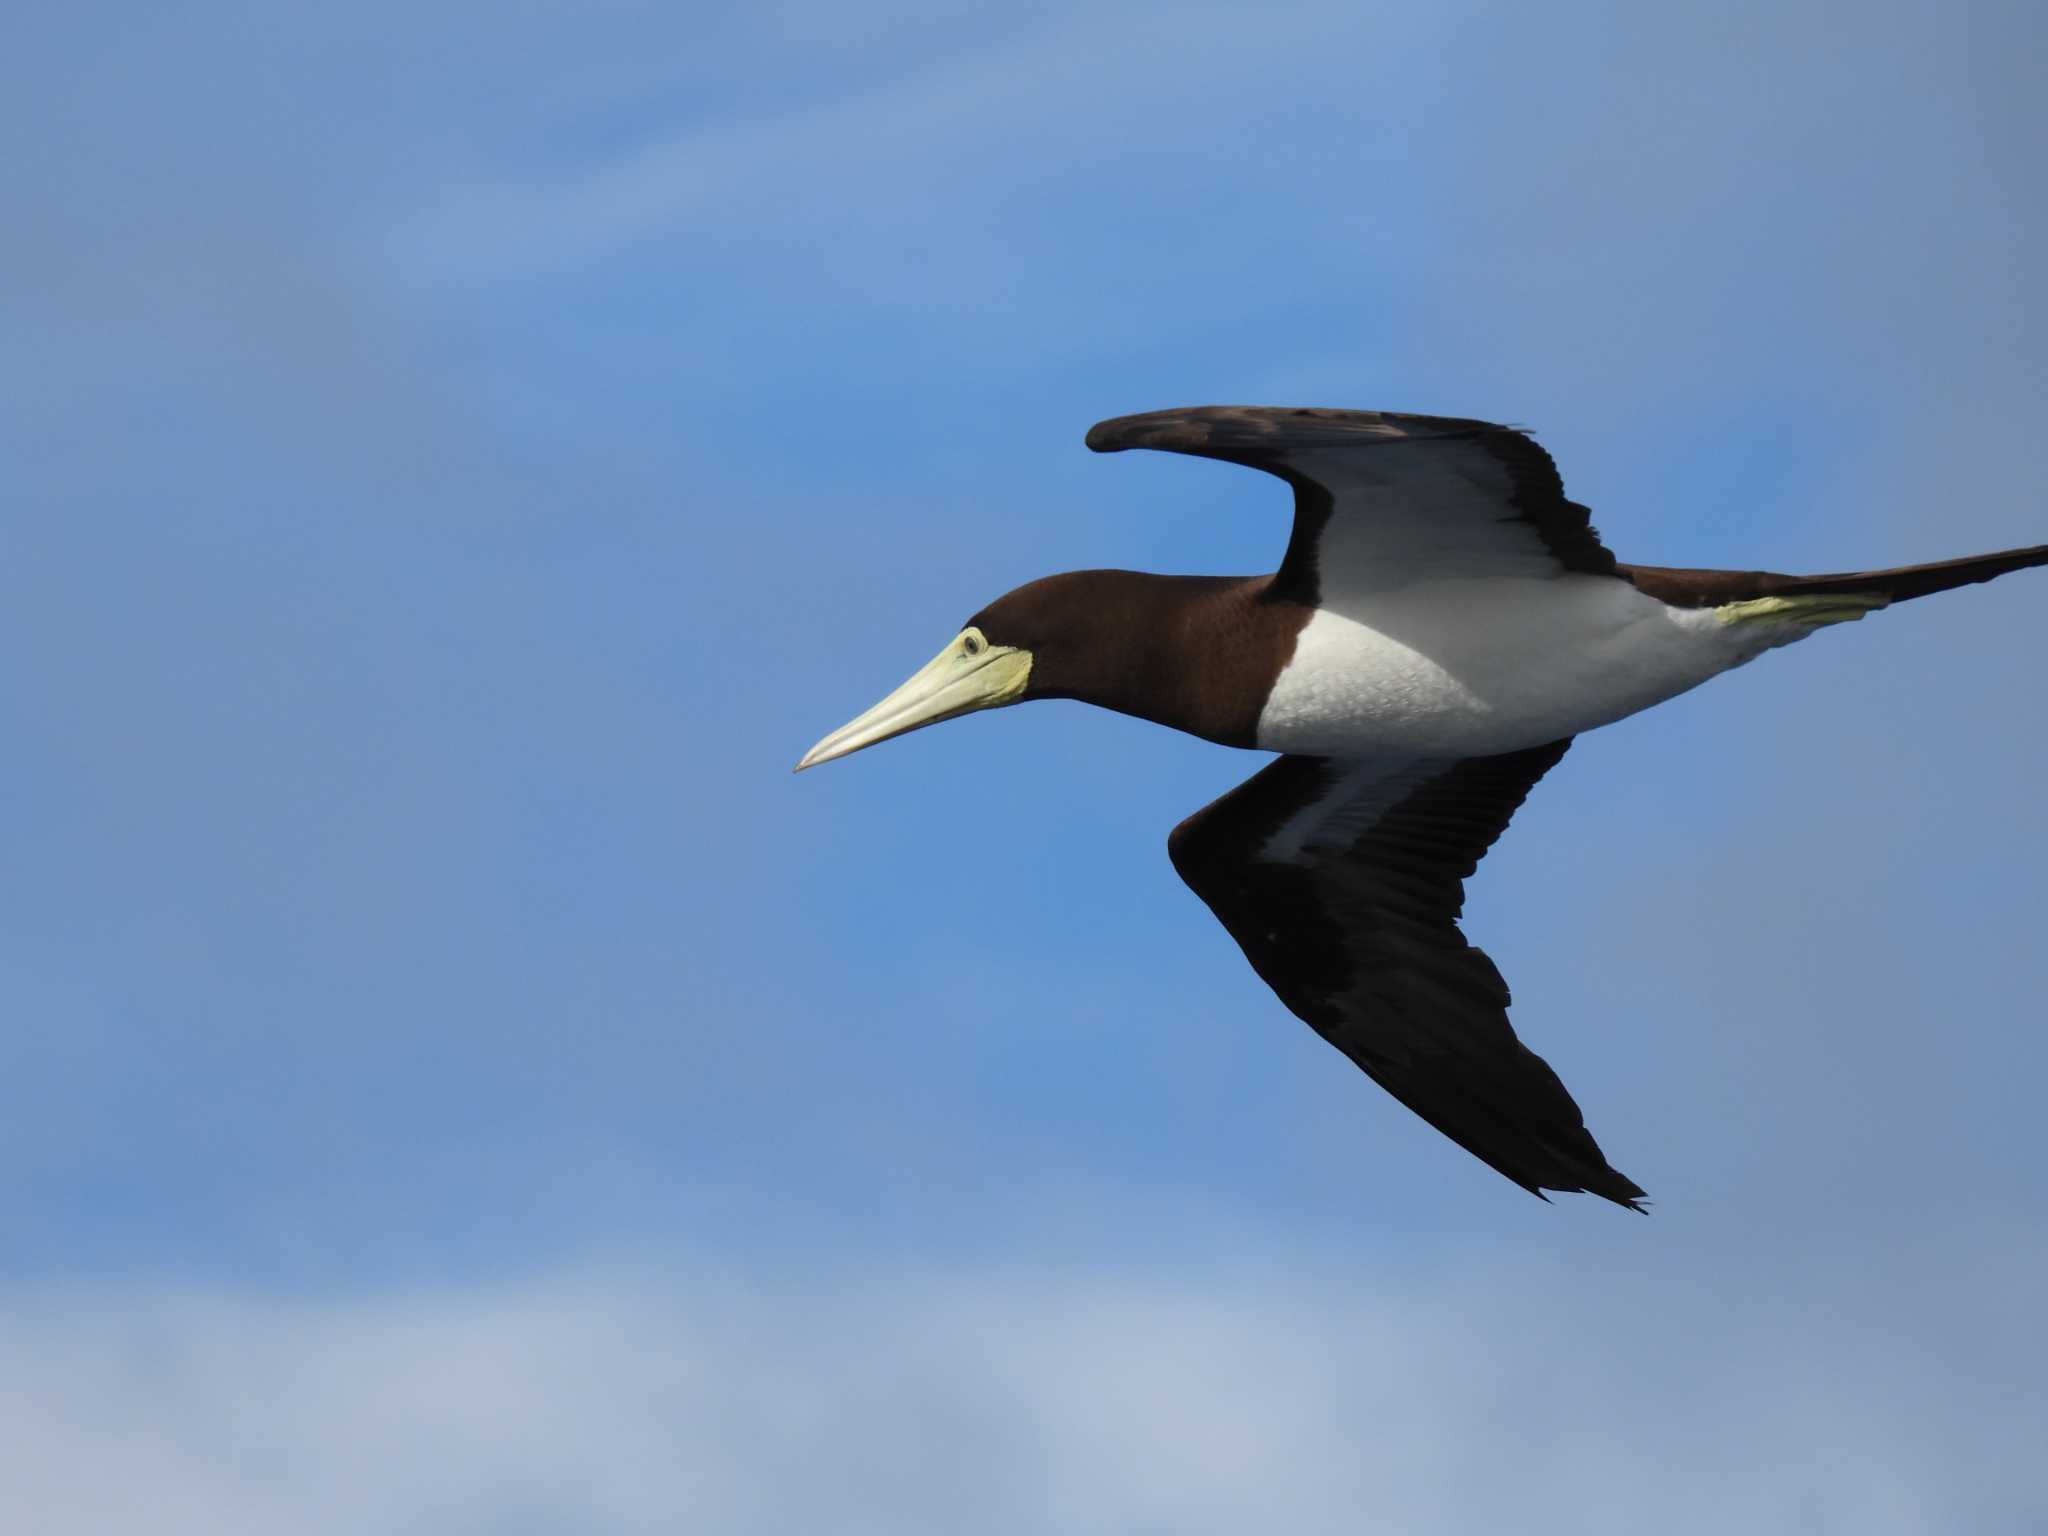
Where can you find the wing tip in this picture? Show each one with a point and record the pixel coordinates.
(1611, 1184)
(1171, 430)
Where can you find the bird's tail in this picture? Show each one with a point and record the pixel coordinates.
(1702, 589)
(1907, 581)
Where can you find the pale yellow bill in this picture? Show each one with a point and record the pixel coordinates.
(967, 675)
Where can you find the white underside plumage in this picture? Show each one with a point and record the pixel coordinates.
(1470, 666)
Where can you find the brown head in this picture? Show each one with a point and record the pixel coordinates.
(1193, 652)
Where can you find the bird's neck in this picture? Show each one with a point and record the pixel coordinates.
(1195, 653)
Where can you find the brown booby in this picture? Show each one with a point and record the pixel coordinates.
(1443, 624)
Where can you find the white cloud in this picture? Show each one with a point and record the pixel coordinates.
(1286, 1395)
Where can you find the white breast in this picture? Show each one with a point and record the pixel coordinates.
(1467, 667)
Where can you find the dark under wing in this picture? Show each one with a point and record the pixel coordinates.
(1343, 882)
(1388, 492)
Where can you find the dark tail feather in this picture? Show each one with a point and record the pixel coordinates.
(1702, 589)
(1906, 581)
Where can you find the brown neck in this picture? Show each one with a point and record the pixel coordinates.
(1197, 653)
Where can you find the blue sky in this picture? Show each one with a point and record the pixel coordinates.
(453, 1078)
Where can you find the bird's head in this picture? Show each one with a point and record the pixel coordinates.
(1047, 639)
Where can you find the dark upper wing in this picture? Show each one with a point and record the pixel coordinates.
(1343, 881)
(1383, 498)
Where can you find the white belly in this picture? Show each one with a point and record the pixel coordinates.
(1471, 667)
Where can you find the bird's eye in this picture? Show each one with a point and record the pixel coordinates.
(971, 645)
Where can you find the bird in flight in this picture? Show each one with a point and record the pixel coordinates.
(1443, 623)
